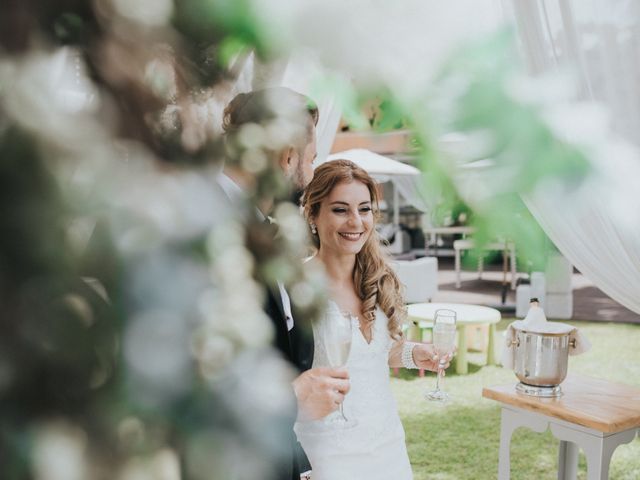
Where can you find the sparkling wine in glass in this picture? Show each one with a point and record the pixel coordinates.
(444, 342)
(338, 345)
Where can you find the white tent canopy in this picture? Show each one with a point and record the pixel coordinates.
(378, 166)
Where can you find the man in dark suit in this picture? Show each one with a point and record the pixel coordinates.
(284, 121)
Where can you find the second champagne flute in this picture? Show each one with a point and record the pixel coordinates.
(444, 342)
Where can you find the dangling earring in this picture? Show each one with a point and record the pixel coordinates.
(314, 230)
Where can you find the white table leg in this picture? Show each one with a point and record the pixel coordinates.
(512, 259)
(462, 364)
(491, 345)
(597, 448)
(480, 266)
(567, 461)
(457, 265)
(511, 420)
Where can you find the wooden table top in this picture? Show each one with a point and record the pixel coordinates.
(591, 402)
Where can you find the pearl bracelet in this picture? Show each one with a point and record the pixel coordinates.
(407, 355)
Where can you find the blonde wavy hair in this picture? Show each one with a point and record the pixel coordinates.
(375, 281)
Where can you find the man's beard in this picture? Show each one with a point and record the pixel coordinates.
(299, 184)
(296, 195)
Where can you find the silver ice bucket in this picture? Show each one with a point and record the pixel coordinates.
(541, 361)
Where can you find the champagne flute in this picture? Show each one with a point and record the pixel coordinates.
(444, 341)
(338, 345)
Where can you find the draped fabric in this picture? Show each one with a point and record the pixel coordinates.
(597, 225)
(411, 189)
(302, 73)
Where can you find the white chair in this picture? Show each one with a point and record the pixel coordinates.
(419, 277)
(468, 244)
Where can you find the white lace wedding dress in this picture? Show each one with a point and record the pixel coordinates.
(373, 449)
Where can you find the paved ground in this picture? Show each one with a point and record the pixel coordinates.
(589, 302)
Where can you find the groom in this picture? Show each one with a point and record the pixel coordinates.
(318, 391)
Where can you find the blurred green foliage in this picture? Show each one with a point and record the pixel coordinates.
(473, 96)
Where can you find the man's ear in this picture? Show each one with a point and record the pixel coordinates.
(287, 159)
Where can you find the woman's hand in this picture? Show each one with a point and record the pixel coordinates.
(320, 391)
(425, 357)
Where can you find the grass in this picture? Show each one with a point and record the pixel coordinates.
(461, 440)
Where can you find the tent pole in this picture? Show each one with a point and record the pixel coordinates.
(396, 206)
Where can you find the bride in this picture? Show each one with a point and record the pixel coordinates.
(341, 205)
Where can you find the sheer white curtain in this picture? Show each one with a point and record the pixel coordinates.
(413, 191)
(597, 226)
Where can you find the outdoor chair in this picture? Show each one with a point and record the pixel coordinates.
(419, 278)
(508, 248)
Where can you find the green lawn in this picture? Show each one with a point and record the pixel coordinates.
(460, 440)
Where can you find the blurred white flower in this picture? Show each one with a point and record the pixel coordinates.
(173, 204)
(213, 352)
(232, 314)
(48, 93)
(160, 75)
(254, 161)
(131, 432)
(252, 136)
(226, 455)
(234, 263)
(277, 134)
(59, 452)
(303, 294)
(146, 12)
(161, 465)
(266, 393)
(156, 348)
(292, 225)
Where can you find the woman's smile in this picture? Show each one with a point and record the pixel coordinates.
(351, 236)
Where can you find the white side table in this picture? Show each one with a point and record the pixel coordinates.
(593, 414)
(422, 314)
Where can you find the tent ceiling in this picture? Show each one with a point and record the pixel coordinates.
(378, 166)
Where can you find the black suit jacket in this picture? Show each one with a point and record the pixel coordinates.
(296, 346)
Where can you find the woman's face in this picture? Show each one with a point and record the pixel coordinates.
(345, 219)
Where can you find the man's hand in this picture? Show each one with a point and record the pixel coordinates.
(320, 391)
(425, 357)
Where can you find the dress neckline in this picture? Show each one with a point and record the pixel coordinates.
(354, 320)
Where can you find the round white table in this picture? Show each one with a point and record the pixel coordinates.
(421, 314)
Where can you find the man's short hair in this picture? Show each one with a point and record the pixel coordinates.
(288, 110)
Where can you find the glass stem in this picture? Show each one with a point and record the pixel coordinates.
(342, 412)
(439, 374)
